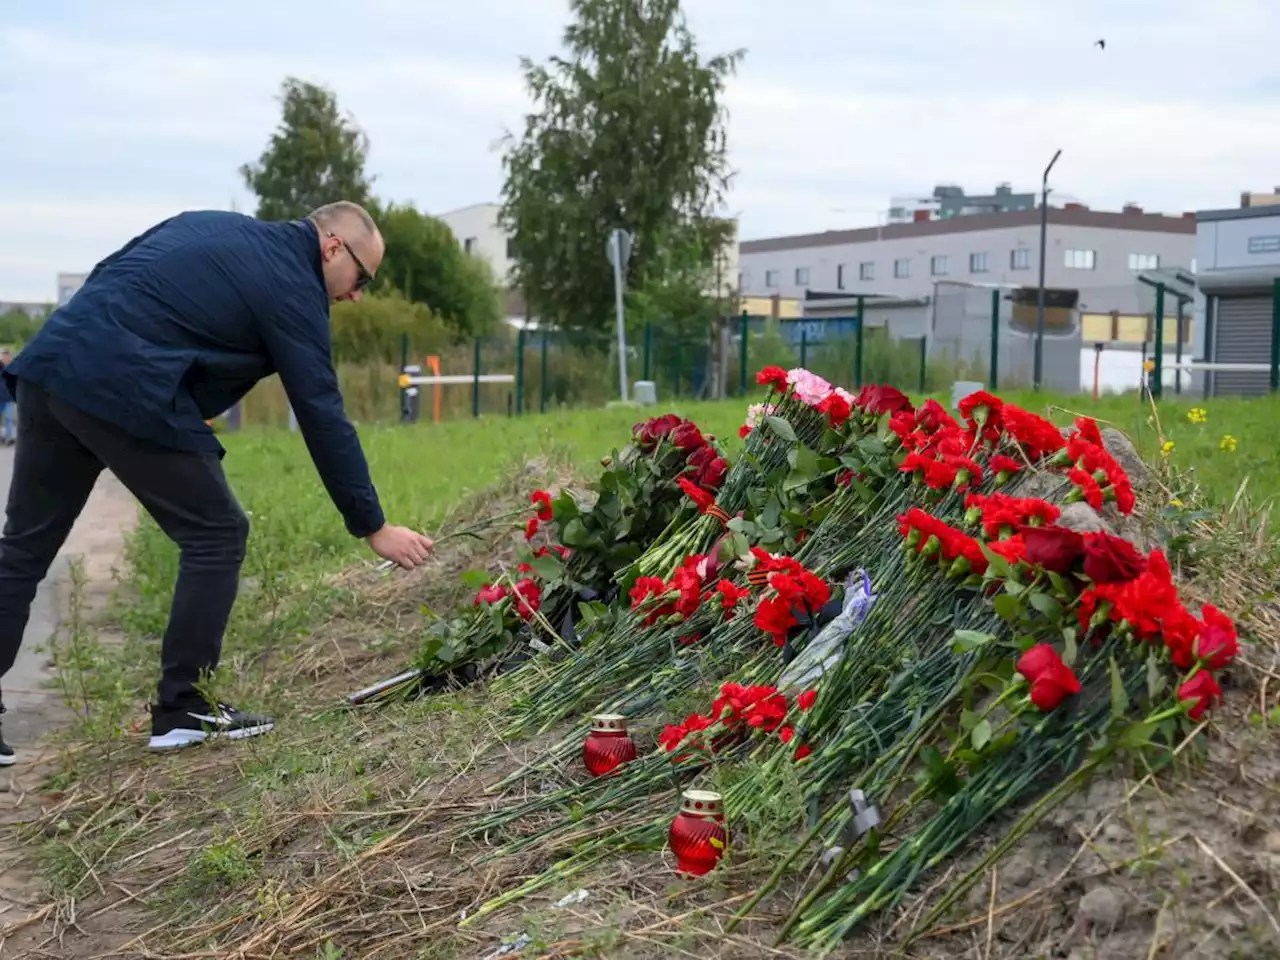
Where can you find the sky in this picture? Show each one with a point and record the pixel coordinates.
(117, 115)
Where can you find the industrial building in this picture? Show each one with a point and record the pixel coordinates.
(1238, 255)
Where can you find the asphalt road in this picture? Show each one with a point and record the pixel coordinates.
(26, 694)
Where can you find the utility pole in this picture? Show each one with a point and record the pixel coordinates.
(1038, 372)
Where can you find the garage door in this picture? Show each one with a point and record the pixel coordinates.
(1242, 334)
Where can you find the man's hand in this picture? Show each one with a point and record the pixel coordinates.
(401, 546)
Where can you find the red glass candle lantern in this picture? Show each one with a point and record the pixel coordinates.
(608, 745)
(697, 836)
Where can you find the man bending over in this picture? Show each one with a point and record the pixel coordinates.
(167, 332)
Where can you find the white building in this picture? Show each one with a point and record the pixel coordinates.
(68, 284)
(480, 234)
(1097, 253)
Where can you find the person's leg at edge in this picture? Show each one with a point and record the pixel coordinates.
(188, 496)
(53, 475)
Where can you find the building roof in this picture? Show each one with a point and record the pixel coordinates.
(1150, 222)
(1238, 213)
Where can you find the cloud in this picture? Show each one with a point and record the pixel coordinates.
(120, 114)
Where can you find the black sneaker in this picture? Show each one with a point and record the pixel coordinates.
(7, 757)
(174, 727)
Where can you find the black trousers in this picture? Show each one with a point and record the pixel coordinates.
(60, 453)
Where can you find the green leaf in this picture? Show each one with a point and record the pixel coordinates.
(1047, 605)
(1156, 680)
(969, 719)
(548, 567)
(1008, 608)
(575, 533)
(1119, 698)
(780, 428)
(475, 578)
(965, 640)
(1137, 735)
(997, 566)
(980, 736)
(1071, 651)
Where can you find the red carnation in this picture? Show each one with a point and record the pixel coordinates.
(774, 377)
(531, 528)
(528, 598)
(1202, 692)
(542, 500)
(1052, 681)
(836, 408)
(491, 594)
(730, 594)
(701, 498)
(1218, 644)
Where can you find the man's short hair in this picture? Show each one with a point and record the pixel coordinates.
(333, 216)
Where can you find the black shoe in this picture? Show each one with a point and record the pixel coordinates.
(174, 727)
(7, 757)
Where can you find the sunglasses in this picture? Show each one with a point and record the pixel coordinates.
(363, 276)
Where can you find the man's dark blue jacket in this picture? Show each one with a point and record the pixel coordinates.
(180, 323)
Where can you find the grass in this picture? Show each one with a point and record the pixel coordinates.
(274, 837)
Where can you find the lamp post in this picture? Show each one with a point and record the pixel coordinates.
(1038, 372)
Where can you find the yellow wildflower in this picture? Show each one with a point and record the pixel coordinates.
(1227, 444)
(1149, 366)
(1175, 502)
(1197, 415)
(1166, 448)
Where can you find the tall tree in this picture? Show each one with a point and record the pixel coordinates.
(315, 156)
(427, 265)
(627, 131)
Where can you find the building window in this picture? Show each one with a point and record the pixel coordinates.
(839, 276)
(977, 263)
(511, 248)
(1144, 261)
(1079, 259)
(743, 278)
(802, 276)
(1193, 264)
(866, 271)
(938, 266)
(902, 268)
(469, 245)
(1020, 259)
(771, 278)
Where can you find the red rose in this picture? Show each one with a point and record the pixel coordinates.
(1202, 692)
(1052, 681)
(1217, 645)
(743, 431)
(713, 473)
(1053, 548)
(881, 398)
(807, 699)
(1109, 559)
(687, 436)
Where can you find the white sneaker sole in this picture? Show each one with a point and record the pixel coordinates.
(8, 761)
(177, 739)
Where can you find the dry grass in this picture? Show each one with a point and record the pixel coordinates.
(341, 835)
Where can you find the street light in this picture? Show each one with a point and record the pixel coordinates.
(1038, 373)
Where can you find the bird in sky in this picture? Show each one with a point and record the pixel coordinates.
(1101, 44)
